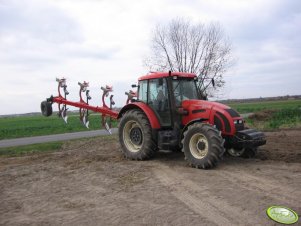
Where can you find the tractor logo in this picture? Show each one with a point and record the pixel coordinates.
(282, 214)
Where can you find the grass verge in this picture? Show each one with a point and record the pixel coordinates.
(54, 146)
(28, 126)
(29, 149)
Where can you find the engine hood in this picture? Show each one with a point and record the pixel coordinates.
(220, 115)
(202, 104)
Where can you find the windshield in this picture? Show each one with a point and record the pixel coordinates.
(184, 89)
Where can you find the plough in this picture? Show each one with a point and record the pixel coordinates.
(167, 112)
(83, 105)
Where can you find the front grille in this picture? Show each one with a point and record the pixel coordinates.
(239, 127)
(226, 122)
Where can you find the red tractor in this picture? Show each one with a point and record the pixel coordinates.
(168, 113)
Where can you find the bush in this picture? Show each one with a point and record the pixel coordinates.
(274, 119)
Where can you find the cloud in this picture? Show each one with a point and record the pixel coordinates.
(38, 21)
(35, 34)
(104, 42)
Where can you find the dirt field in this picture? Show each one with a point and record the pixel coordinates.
(90, 183)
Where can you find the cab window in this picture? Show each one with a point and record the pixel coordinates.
(142, 96)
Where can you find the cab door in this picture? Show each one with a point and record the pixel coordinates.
(158, 100)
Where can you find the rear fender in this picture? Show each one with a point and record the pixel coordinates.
(152, 118)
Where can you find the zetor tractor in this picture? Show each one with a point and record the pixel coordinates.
(168, 113)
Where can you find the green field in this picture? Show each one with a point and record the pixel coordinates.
(275, 119)
(263, 105)
(271, 115)
(27, 126)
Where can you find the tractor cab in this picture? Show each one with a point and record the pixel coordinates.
(165, 92)
(184, 89)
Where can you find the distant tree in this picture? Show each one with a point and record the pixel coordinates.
(195, 48)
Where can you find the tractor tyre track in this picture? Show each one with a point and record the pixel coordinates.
(203, 202)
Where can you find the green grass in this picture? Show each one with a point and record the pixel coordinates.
(284, 118)
(28, 149)
(27, 126)
(259, 106)
(51, 146)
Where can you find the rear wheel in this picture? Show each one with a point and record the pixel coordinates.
(135, 136)
(203, 145)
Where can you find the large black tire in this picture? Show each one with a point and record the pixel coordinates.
(203, 146)
(46, 108)
(135, 136)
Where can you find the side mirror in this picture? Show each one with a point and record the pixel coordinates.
(213, 82)
(134, 85)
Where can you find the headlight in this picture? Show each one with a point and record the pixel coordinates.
(239, 121)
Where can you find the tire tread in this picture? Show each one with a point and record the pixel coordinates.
(215, 152)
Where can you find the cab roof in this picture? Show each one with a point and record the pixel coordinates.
(153, 75)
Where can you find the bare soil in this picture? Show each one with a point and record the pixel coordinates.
(90, 183)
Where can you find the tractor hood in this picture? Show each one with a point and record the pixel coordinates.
(197, 105)
(222, 116)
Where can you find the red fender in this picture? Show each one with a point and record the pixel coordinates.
(155, 124)
(200, 110)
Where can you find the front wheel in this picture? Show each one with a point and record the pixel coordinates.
(203, 146)
(243, 152)
(235, 152)
(249, 153)
(135, 136)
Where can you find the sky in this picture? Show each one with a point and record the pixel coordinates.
(104, 42)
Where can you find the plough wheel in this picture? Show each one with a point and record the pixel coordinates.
(46, 108)
(135, 136)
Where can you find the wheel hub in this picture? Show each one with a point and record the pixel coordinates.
(201, 145)
(136, 135)
(132, 136)
(198, 145)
